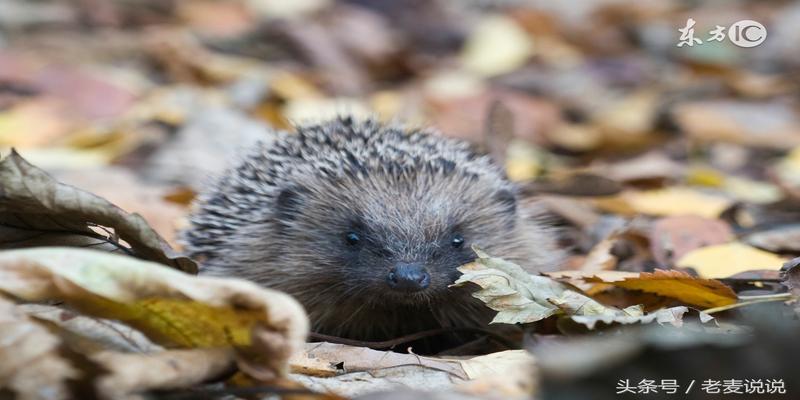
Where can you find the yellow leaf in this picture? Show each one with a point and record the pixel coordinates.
(677, 285)
(788, 169)
(704, 176)
(524, 161)
(728, 259)
(752, 191)
(170, 307)
(744, 189)
(667, 202)
(496, 46)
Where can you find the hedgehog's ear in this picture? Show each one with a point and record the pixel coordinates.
(289, 202)
(508, 199)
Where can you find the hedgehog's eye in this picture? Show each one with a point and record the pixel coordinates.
(352, 238)
(457, 241)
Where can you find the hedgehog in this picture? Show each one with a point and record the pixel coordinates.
(366, 225)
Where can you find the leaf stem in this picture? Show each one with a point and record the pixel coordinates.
(749, 301)
(767, 296)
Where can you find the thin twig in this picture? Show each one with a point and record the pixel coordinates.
(387, 344)
(762, 299)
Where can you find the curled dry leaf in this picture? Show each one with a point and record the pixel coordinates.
(87, 334)
(171, 369)
(791, 278)
(516, 295)
(37, 210)
(330, 359)
(43, 361)
(507, 373)
(30, 363)
(673, 316)
(520, 297)
(172, 308)
(676, 284)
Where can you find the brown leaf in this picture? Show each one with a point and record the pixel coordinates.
(30, 363)
(498, 132)
(766, 124)
(652, 165)
(330, 359)
(506, 374)
(778, 240)
(600, 258)
(579, 184)
(672, 237)
(37, 210)
(136, 373)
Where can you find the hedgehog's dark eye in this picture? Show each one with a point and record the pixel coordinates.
(457, 241)
(352, 238)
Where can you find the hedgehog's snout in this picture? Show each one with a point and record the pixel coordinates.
(408, 277)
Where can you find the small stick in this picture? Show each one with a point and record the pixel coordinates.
(409, 338)
(751, 300)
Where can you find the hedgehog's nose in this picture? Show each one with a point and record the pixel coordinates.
(408, 277)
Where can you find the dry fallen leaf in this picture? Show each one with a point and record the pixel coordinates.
(497, 45)
(679, 285)
(579, 184)
(673, 316)
(767, 124)
(44, 361)
(138, 373)
(791, 279)
(170, 307)
(30, 362)
(780, 239)
(600, 258)
(724, 260)
(507, 373)
(520, 297)
(505, 287)
(787, 171)
(672, 237)
(670, 201)
(330, 359)
(37, 210)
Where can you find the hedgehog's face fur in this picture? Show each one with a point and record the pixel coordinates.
(366, 225)
(395, 240)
